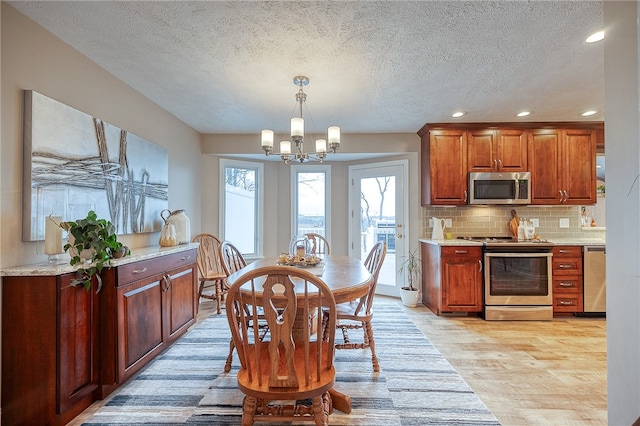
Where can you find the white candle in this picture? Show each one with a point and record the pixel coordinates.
(52, 235)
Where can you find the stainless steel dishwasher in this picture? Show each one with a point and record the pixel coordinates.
(595, 287)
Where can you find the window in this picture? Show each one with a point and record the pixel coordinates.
(311, 195)
(241, 204)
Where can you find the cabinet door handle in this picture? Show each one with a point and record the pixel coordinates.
(564, 302)
(186, 258)
(461, 252)
(465, 196)
(567, 284)
(565, 266)
(140, 271)
(499, 164)
(480, 264)
(495, 165)
(564, 251)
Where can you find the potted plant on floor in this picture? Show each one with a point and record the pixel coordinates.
(412, 266)
(92, 242)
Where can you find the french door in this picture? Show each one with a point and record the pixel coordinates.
(378, 207)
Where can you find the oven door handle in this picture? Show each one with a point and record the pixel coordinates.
(512, 254)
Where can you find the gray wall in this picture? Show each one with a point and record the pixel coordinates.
(33, 59)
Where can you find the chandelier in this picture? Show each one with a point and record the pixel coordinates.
(297, 135)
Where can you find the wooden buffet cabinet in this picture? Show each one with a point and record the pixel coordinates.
(64, 347)
(560, 156)
(452, 278)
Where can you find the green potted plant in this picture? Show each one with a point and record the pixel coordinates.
(412, 266)
(92, 242)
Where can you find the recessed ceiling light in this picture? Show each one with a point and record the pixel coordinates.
(523, 113)
(597, 36)
(588, 113)
(457, 114)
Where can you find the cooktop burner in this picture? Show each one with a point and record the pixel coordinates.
(507, 241)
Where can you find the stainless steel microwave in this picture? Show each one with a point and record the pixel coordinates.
(500, 188)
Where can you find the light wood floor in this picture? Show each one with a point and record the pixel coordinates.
(527, 372)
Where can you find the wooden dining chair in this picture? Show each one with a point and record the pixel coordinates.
(232, 262)
(210, 267)
(319, 244)
(359, 313)
(287, 375)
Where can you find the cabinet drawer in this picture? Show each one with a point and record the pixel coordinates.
(467, 251)
(571, 285)
(567, 266)
(567, 251)
(150, 267)
(567, 303)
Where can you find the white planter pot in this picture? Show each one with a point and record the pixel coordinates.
(86, 254)
(409, 297)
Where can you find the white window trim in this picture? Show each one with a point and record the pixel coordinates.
(311, 168)
(259, 167)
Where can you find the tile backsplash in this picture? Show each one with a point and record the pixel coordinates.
(494, 221)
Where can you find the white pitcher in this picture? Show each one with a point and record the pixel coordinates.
(438, 229)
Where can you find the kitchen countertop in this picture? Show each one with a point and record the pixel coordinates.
(556, 241)
(63, 267)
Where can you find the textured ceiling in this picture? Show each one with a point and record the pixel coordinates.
(390, 66)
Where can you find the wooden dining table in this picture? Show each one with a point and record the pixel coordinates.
(348, 279)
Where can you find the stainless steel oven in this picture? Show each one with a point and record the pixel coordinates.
(518, 282)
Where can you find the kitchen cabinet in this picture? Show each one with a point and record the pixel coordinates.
(560, 157)
(503, 150)
(50, 349)
(567, 279)
(562, 166)
(444, 167)
(452, 278)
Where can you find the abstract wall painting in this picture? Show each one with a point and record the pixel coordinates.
(74, 163)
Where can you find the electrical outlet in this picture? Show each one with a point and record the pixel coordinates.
(564, 222)
(447, 223)
(535, 222)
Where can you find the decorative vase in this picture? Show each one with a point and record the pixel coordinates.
(409, 297)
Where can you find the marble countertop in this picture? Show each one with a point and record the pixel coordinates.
(556, 241)
(63, 267)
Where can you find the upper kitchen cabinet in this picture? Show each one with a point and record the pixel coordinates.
(562, 166)
(444, 167)
(503, 150)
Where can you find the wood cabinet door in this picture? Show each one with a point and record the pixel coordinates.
(462, 280)
(448, 167)
(579, 167)
(511, 150)
(543, 159)
(140, 323)
(181, 301)
(79, 354)
(481, 151)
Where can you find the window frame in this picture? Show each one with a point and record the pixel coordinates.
(311, 168)
(259, 202)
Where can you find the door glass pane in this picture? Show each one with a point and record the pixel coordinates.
(310, 203)
(240, 208)
(378, 221)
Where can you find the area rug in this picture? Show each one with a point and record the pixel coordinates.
(416, 385)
